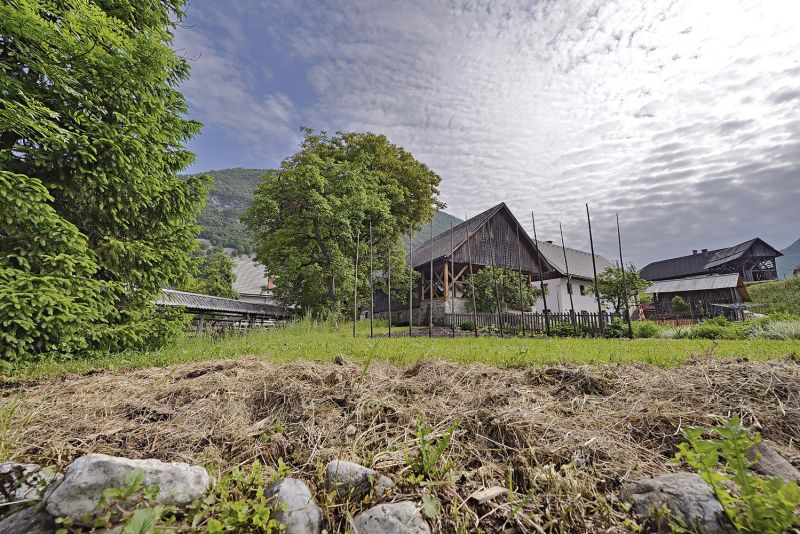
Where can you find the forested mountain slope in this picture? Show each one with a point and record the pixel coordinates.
(789, 260)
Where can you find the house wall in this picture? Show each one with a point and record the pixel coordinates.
(558, 297)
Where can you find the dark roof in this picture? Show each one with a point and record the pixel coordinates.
(580, 262)
(700, 263)
(209, 303)
(440, 245)
(708, 282)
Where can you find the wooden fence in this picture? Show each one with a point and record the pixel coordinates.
(532, 323)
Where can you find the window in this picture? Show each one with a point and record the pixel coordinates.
(583, 290)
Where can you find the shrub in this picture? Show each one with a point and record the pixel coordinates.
(565, 330)
(467, 326)
(645, 329)
(752, 503)
(774, 330)
(679, 305)
(617, 328)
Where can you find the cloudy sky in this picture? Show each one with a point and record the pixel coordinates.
(681, 115)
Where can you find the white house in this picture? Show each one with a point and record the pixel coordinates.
(252, 284)
(581, 274)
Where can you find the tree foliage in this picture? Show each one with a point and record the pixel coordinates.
(215, 276)
(91, 138)
(612, 289)
(514, 290)
(308, 217)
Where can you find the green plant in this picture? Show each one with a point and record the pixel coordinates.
(616, 329)
(237, 504)
(9, 429)
(429, 462)
(753, 504)
(680, 306)
(467, 326)
(514, 290)
(613, 288)
(645, 329)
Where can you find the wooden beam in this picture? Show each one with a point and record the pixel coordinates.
(446, 281)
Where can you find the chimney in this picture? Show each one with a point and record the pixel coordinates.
(705, 252)
(694, 252)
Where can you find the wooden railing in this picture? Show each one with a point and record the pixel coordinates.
(531, 323)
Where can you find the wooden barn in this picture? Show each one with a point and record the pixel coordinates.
(708, 295)
(753, 260)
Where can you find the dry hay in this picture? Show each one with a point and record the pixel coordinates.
(565, 436)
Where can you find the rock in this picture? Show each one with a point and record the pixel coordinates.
(771, 464)
(78, 493)
(348, 478)
(31, 520)
(392, 518)
(295, 507)
(687, 496)
(23, 482)
(350, 431)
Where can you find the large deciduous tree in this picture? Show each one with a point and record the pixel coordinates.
(308, 217)
(215, 276)
(515, 290)
(92, 135)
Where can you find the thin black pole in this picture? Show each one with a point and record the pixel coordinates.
(569, 281)
(521, 296)
(453, 283)
(410, 284)
(355, 284)
(624, 282)
(430, 308)
(594, 269)
(494, 276)
(541, 278)
(371, 286)
(471, 280)
(389, 294)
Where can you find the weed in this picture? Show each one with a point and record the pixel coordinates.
(429, 462)
(10, 431)
(754, 504)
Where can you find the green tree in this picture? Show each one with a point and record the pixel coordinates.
(215, 276)
(509, 283)
(308, 217)
(679, 305)
(612, 289)
(92, 133)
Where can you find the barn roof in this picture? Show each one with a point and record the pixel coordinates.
(209, 303)
(700, 263)
(580, 262)
(701, 283)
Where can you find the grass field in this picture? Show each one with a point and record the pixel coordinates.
(777, 296)
(323, 343)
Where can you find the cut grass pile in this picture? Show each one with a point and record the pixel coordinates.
(560, 438)
(318, 342)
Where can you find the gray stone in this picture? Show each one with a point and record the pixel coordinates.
(295, 507)
(31, 520)
(355, 480)
(392, 518)
(78, 493)
(688, 498)
(22, 483)
(770, 463)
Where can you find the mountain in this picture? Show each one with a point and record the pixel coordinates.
(789, 260)
(231, 193)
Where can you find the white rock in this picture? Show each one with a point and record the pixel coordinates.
(78, 493)
(294, 506)
(393, 518)
(349, 478)
(23, 482)
(687, 496)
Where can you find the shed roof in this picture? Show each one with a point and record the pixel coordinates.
(699, 283)
(580, 262)
(209, 303)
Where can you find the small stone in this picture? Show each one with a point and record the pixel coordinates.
(350, 431)
(23, 482)
(78, 493)
(355, 480)
(31, 520)
(392, 518)
(487, 494)
(770, 463)
(294, 506)
(686, 495)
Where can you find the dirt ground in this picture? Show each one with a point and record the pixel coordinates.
(563, 437)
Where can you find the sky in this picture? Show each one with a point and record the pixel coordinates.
(681, 116)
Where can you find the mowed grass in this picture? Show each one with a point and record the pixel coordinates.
(323, 343)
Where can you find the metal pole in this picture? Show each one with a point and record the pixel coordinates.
(594, 269)
(410, 283)
(430, 307)
(541, 278)
(389, 294)
(453, 283)
(494, 276)
(624, 282)
(471, 281)
(521, 296)
(569, 281)
(371, 286)
(355, 283)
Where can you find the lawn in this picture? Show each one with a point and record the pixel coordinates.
(322, 343)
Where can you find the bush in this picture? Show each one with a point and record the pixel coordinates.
(467, 326)
(774, 330)
(645, 329)
(565, 330)
(617, 329)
